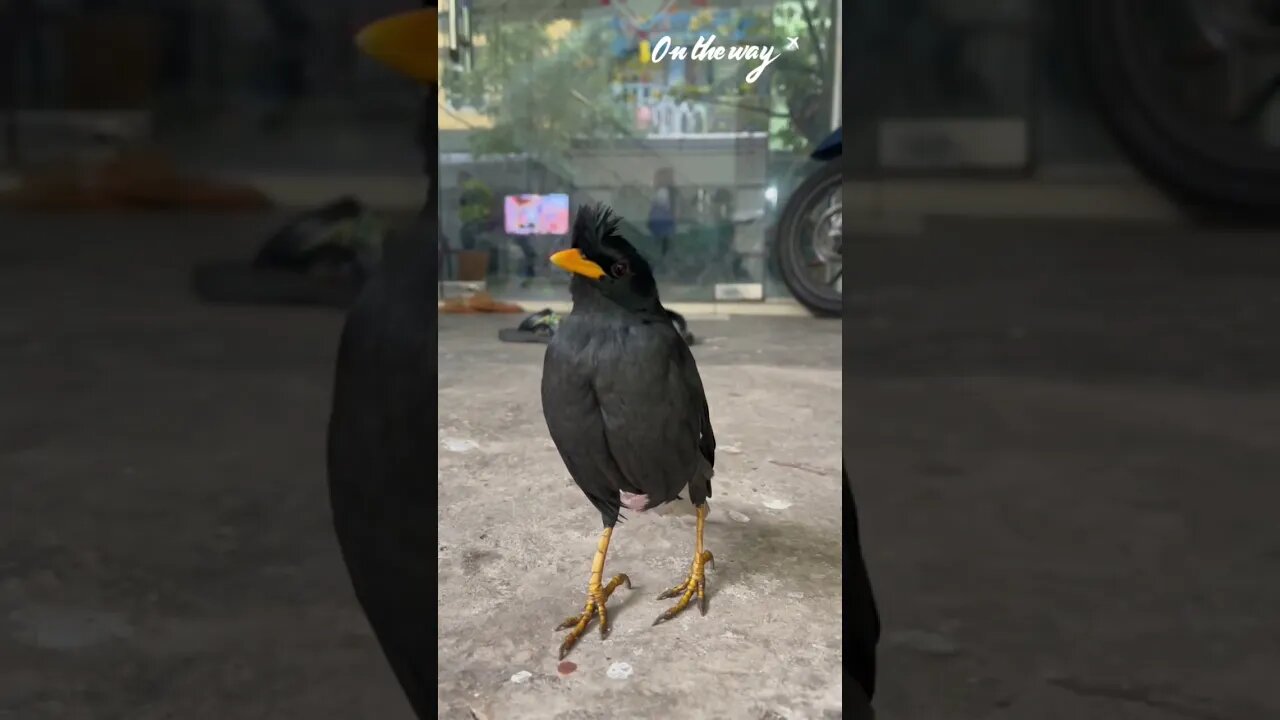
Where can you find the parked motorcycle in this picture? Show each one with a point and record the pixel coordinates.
(1192, 91)
(810, 234)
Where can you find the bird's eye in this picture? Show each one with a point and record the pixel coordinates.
(619, 269)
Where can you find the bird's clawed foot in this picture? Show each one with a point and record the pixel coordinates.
(596, 599)
(695, 583)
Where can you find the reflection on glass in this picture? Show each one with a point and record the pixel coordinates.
(536, 214)
(654, 114)
(941, 84)
(226, 87)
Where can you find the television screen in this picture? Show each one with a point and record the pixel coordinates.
(536, 214)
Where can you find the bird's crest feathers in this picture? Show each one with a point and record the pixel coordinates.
(593, 225)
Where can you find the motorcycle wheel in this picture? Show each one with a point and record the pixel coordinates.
(1186, 86)
(810, 242)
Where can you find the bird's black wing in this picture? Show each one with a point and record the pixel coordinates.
(861, 617)
(381, 462)
(576, 426)
(707, 439)
(655, 415)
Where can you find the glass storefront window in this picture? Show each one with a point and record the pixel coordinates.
(941, 85)
(566, 107)
(274, 87)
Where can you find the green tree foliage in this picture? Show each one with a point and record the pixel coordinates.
(802, 81)
(794, 96)
(541, 93)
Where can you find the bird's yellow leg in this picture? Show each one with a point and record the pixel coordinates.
(597, 596)
(696, 582)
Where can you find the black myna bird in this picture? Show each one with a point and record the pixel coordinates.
(381, 454)
(624, 404)
(861, 617)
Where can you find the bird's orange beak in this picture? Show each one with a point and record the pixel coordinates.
(405, 43)
(575, 262)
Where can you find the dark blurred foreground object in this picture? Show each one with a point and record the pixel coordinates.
(381, 457)
(321, 257)
(1192, 90)
(862, 619)
(137, 179)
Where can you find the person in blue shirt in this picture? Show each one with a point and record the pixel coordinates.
(663, 212)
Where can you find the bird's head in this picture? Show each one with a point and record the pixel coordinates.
(405, 43)
(602, 261)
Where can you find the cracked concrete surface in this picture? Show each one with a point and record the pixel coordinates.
(1065, 453)
(165, 544)
(517, 536)
(1064, 449)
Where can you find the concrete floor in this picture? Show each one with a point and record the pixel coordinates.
(1063, 439)
(1065, 443)
(165, 548)
(165, 545)
(517, 537)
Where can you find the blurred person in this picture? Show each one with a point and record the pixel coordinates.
(529, 259)
(24, 57)
(662, 212)
(725, 232)
(287, 83)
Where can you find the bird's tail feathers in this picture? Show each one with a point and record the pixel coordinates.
(700, 484)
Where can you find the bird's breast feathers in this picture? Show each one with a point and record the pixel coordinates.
(627, 364)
